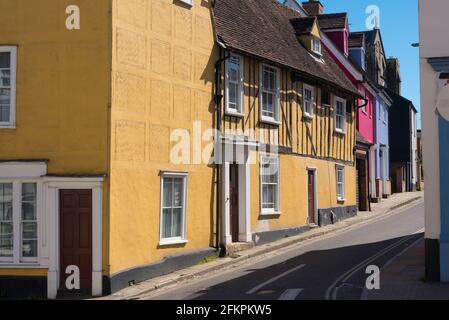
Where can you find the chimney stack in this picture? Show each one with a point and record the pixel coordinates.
(313, 7)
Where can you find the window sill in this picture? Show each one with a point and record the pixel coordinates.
(340, 131)
(308, 116)
(234, 114)
(7, 126)
(28, 265)
(171, 242)
(270, 121)
(341, 200)
(268, 213)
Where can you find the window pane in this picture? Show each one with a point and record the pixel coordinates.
(5, 95)
(167, 195)
(166, 223)
(29, 248)
(6, 239)
(233, 91)
(5, 60)
(234, 69)
(29, 230)
(268, 201)
(5, 78)
(29, 192)
(29, 201)
(5, 202)
(4, 113)
(178, 193)
(177, 223)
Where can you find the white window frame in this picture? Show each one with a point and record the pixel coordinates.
(174, 240)
(308, 113)
(277, 209)
(316, 40)
(340, 197)
(241, 88)
(343, 101)
(277, 101)
(12, 112)
(17, 258)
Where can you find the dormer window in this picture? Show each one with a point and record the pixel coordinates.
(316, 45)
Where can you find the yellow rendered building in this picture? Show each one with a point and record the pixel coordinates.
(110, 170)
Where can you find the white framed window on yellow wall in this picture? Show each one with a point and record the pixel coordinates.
(340, 177)
(173, 208)
(340, 115)
(308, 100)
(234, 86)
(270, 93)
(8, 69)
(18, 222)
(269, 184)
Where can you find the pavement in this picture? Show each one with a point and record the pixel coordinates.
(275, 257)
(403, 279)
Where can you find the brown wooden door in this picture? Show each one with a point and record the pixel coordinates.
(76, 235)
(363, 187)
(234, 201)
(311, 196)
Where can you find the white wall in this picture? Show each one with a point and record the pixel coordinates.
(434, 23)
(433, 28)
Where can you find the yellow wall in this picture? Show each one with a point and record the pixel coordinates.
(293, 192)
(163, 72)
(63, 87)
(62, 84)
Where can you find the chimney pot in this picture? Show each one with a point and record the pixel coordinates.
(313, 7)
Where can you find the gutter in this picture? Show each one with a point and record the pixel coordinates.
(218, 97)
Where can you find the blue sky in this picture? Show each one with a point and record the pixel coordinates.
(399, 27)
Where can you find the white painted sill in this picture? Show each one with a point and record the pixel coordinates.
(270, 213)
(270, 121)
(171, 242)
(341, 199)
(24, 265)
(7, 126)
(308, 116)
(340, 131)
(234, 114)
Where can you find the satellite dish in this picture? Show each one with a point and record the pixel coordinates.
(443, 99)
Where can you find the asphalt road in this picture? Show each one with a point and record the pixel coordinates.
(331, 267)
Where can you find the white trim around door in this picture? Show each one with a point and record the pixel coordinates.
(51, 199)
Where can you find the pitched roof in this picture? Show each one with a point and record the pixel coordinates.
(399, 101)
(356, 39)
(303, 25)
(333, 20)
(263, 29)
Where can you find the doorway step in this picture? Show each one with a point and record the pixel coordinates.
(234, 248)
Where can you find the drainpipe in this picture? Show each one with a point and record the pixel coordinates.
(217, 99)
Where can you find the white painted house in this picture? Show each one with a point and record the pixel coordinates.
(434, 64)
